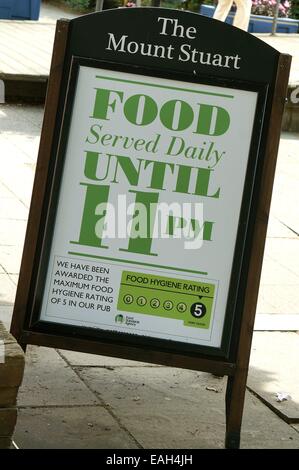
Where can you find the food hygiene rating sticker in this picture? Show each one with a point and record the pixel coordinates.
(179, 299)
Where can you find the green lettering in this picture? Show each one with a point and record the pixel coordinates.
(95, 195)
(142, 245)
(212, 120)
(158, 173)
(140, 110)
(103, 103)
(176, 115)
(202, 183)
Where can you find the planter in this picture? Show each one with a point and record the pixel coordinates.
(19, 9)
(258, 23)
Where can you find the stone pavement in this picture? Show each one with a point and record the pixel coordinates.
(74, 400)
(288, 44)
(26, 46)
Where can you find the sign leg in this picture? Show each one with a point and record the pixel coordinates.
(234, 404)
(23, 346)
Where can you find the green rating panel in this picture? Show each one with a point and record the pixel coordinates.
(191, 302)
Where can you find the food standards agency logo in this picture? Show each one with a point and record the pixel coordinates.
(119, 318)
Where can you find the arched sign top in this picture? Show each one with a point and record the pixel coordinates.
(174, 40)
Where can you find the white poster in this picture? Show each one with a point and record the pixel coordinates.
(149, 206)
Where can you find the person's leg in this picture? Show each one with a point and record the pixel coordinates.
(242, 16)
(222, 9)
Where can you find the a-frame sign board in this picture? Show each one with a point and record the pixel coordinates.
(147, 107)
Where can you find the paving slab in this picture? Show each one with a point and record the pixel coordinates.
(48, 380)
(19, 140)
(284, 205)
(25, 48)
(18, 175)
(5, 192)
(7, 290)
(7, 338)
(281, 300)
(276, 322)
(21, 119)
(5, 315)
(274, 272)
(24, 147)
(14, 278)
(10, 258)
(288, 44)
(261, 429)
(77, 359)
(12, 209)
(172, 408)
(274, 368)
(285, 252)
(70, 428)
(12, 232)
(276, 229)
